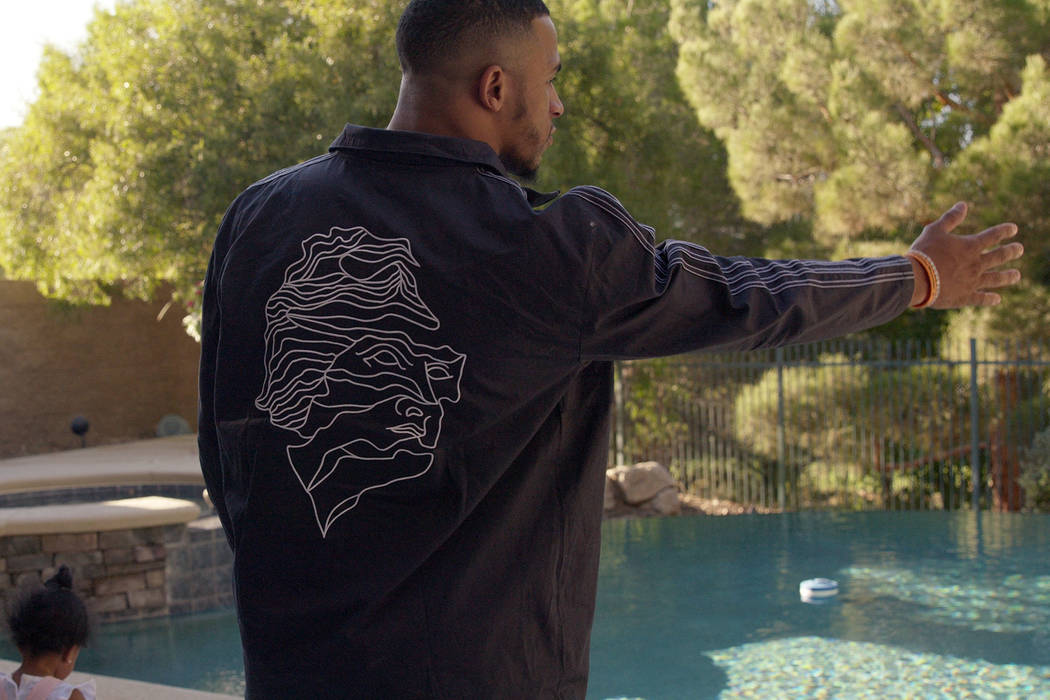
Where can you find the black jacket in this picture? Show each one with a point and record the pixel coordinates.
(405, 395)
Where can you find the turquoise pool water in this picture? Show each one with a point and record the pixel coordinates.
(930, 605)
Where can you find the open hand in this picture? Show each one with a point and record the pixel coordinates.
(967, 264)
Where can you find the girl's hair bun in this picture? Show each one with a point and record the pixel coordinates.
(62, 580)
(49, 618)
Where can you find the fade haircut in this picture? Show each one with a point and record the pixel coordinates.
(431, 32)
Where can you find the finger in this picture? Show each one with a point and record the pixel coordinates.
(975, 299)
(1003, 254)
(951, 218)
(992, 236)
(985, 299)
(999, 278)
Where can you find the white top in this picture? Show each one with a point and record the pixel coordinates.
(10, 691)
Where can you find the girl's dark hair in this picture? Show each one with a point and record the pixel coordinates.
(432, 31)
(49, 619)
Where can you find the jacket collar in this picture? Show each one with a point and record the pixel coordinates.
(470, 151)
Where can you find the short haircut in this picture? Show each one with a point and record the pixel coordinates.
(433, 31)
(50, 618)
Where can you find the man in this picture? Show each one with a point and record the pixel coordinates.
(406, 374)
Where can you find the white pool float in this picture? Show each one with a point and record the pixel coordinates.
(818, 589)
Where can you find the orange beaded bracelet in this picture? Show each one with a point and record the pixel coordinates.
(931, 274)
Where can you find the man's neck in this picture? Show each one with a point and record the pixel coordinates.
(443, 114)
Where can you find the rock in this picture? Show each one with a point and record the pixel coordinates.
(666, 502)
(642, 481)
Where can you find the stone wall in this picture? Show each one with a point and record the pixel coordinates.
(118, 366)
(201, 566)
(121, 574)
(128, 574)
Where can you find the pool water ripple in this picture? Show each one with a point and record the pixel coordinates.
(927, 600)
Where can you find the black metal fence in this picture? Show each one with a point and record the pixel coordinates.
(843, 424)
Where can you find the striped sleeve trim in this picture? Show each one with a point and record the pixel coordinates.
(745, 274)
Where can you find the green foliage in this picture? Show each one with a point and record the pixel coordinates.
(1035, 473)
(120, 174)
(731, 64)
(831, 125)
(875, 113)
(822, 446)
(1028, 416)
(918, 404)
(1006, 174)
(848, 427)
(902, 407)
(628, 128)
(655, 395)
(670, 402)
(806, 405)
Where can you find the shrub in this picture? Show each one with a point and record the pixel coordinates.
(1035, 473)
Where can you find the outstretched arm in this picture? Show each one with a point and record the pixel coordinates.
(965, 265)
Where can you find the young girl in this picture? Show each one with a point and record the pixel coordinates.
(49, 626)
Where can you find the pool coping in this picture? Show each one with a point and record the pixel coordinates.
(122, 514)
(124, 689)
(169, 460)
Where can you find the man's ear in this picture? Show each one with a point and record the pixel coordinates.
(492, 88)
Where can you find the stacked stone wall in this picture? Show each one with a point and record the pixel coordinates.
(202, 569)
(121, 574)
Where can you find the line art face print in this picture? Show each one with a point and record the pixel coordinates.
(346, 373)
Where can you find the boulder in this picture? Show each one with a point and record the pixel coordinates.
(666, 502)
(642, 482)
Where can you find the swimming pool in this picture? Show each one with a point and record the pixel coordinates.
(931, 604)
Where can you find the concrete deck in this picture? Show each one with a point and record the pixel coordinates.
(171, 460)
(121, 689)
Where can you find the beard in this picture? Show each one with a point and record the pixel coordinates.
(527, 171)
(523, 158)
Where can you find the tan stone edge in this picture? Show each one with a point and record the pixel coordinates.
(157, 461)
(125, 514)
(122, 689)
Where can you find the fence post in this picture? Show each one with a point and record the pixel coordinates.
(975, 465)
(781, 443)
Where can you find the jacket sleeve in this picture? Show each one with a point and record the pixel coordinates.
(647, 300)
